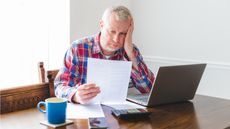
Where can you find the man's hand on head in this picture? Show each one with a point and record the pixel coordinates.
(128, 46)
(86, 92)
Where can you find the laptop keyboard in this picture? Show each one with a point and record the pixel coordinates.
(140, 97)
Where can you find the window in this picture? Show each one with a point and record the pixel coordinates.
(31, 31)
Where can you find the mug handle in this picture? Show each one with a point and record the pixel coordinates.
(39, 106)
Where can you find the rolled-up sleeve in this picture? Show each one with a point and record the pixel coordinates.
(65, 83)
(142, 77)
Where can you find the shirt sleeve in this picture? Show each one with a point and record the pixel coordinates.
(65, 83)
(142, 77)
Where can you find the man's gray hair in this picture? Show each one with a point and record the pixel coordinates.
(122, 13)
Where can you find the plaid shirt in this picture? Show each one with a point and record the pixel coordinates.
(73, 72)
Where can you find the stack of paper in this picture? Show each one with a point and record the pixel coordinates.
(113, 79)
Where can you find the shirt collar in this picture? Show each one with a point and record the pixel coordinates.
(96, 47)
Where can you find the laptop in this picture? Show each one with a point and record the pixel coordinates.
(172, 84)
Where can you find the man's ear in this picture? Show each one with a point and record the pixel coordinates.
(101, 24)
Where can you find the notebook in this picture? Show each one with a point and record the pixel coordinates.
(172, 84)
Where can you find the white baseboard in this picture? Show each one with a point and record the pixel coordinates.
(215, 81)
(175, 61)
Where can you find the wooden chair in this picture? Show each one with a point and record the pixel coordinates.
(51, 74)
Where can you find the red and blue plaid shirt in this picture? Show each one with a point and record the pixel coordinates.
(73, 72)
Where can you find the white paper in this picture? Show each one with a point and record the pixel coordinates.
(125, 105)
(79, 111)
(112, 77)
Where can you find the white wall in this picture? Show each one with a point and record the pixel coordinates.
(59, 32)
(85, 16)
(180, 32)
(170, 32)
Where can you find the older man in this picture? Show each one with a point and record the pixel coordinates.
(113, 42)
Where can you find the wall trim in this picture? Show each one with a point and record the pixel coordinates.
(175, 61)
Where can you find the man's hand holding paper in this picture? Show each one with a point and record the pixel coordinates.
(86, 92)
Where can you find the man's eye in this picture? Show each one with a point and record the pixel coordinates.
(112, 32)
(123, 34)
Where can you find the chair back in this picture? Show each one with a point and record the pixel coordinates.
(51, 74)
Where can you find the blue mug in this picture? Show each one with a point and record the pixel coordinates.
(55, 109)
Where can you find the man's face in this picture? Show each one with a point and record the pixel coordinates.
(113, 33)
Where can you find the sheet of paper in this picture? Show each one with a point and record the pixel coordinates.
(112, 77)
(125, 105)
(78, 111)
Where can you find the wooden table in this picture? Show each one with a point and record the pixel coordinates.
(201, 113)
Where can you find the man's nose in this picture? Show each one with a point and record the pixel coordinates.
(116, 38)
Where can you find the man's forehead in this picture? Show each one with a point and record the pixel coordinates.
(113, 27)
(114, 24)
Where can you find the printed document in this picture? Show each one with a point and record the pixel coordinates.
(79, 111)
(112, 76)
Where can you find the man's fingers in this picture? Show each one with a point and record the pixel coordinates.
(87, 86)
(86, 92)
(86, 98)
(89, 96)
